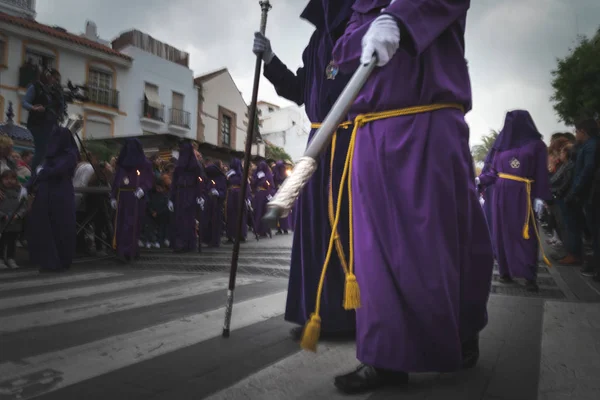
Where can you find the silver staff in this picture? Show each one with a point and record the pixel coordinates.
(282, 202)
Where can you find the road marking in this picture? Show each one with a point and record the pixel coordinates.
(10, 275)
(56, 280)
(48, 372)
(90, 309)
(47, 297)
(302, 375)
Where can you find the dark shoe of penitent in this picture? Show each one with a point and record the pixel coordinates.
(532, 286)
(367, 378)
(470, 353)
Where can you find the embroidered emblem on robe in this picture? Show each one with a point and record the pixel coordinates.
(514, 163)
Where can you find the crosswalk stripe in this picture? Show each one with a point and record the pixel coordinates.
(40, 374)
(47, 297)
(20, 274)
(94, 308)
(302, 375)
(56, 280)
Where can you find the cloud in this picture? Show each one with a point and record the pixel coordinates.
(511, 45)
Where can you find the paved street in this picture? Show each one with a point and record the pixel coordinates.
(152, 331)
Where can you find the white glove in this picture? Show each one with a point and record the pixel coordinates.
(382, 38)
(170, 206)
(200, 202)
(477, 181)
(23, 193)
(230, 173)
(538, 206)
(113, 204)
(481, 201)
(248, 203)
(269, 197)
(260, 175)
(38, 169)
(262, 46)
(139, 193)
(214, 192)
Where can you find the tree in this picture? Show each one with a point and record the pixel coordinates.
(480, 151)
(273, 152)
(576, 82)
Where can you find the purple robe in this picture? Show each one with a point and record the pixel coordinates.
(185, 191)
(51, 231)
(232, 201)
(212, 217)
(519, 150)
(279, 175)
(133, 171)
(262, 188)
(423, 255)
(312, 229)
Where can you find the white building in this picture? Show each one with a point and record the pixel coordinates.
(159, 96)
(286, 127)
(223, 115)
(83, 59)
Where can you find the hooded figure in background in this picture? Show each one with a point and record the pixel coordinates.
(279, 175)
(52, 218)
(212, 217)
(263, 189)
(133, 179)
(232, 202)
(518, 171)
(186, 195)
(317, 85)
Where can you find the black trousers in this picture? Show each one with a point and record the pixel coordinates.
(8, 244)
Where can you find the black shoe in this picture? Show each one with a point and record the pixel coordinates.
(532, 286)
(296, 333)
(366, 378)
(587, 270)
(506, 279)
(470, 353)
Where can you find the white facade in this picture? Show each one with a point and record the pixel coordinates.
(152, 80)
(287, 128)
(83, 61)
(223, 113)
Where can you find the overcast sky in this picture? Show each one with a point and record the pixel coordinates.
(512, 45)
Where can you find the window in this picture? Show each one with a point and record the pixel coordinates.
(100, 88)
(3, 52)
(40, 59)
(271, 109)
(152, 107)
(177, 102)
(226, 130)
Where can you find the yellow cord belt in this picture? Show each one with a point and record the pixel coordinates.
(529, 215)
(351, 300)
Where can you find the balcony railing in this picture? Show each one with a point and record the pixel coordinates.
(103, 97)
(154, 113)
(179, 118)
(22, 4)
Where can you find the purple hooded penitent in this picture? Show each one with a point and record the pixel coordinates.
(133, 171)
(423, 255)
(312, 87)
(519, 150)
(186, 188)
(51, 230)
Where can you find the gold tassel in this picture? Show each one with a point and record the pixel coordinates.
(311, 334)
(546, 261)
(526, 232)
(351, 293)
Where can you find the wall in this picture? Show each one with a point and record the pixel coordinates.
(73, 63)
(168, 77)
(287, 128)
(222, 91)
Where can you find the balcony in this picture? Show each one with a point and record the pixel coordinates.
(152, 115)
(179, 118)
(27, 75)
(24, 8)
(103, 97)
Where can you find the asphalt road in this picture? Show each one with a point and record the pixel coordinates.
(152, 331)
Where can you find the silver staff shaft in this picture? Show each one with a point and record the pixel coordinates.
(282, 202)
